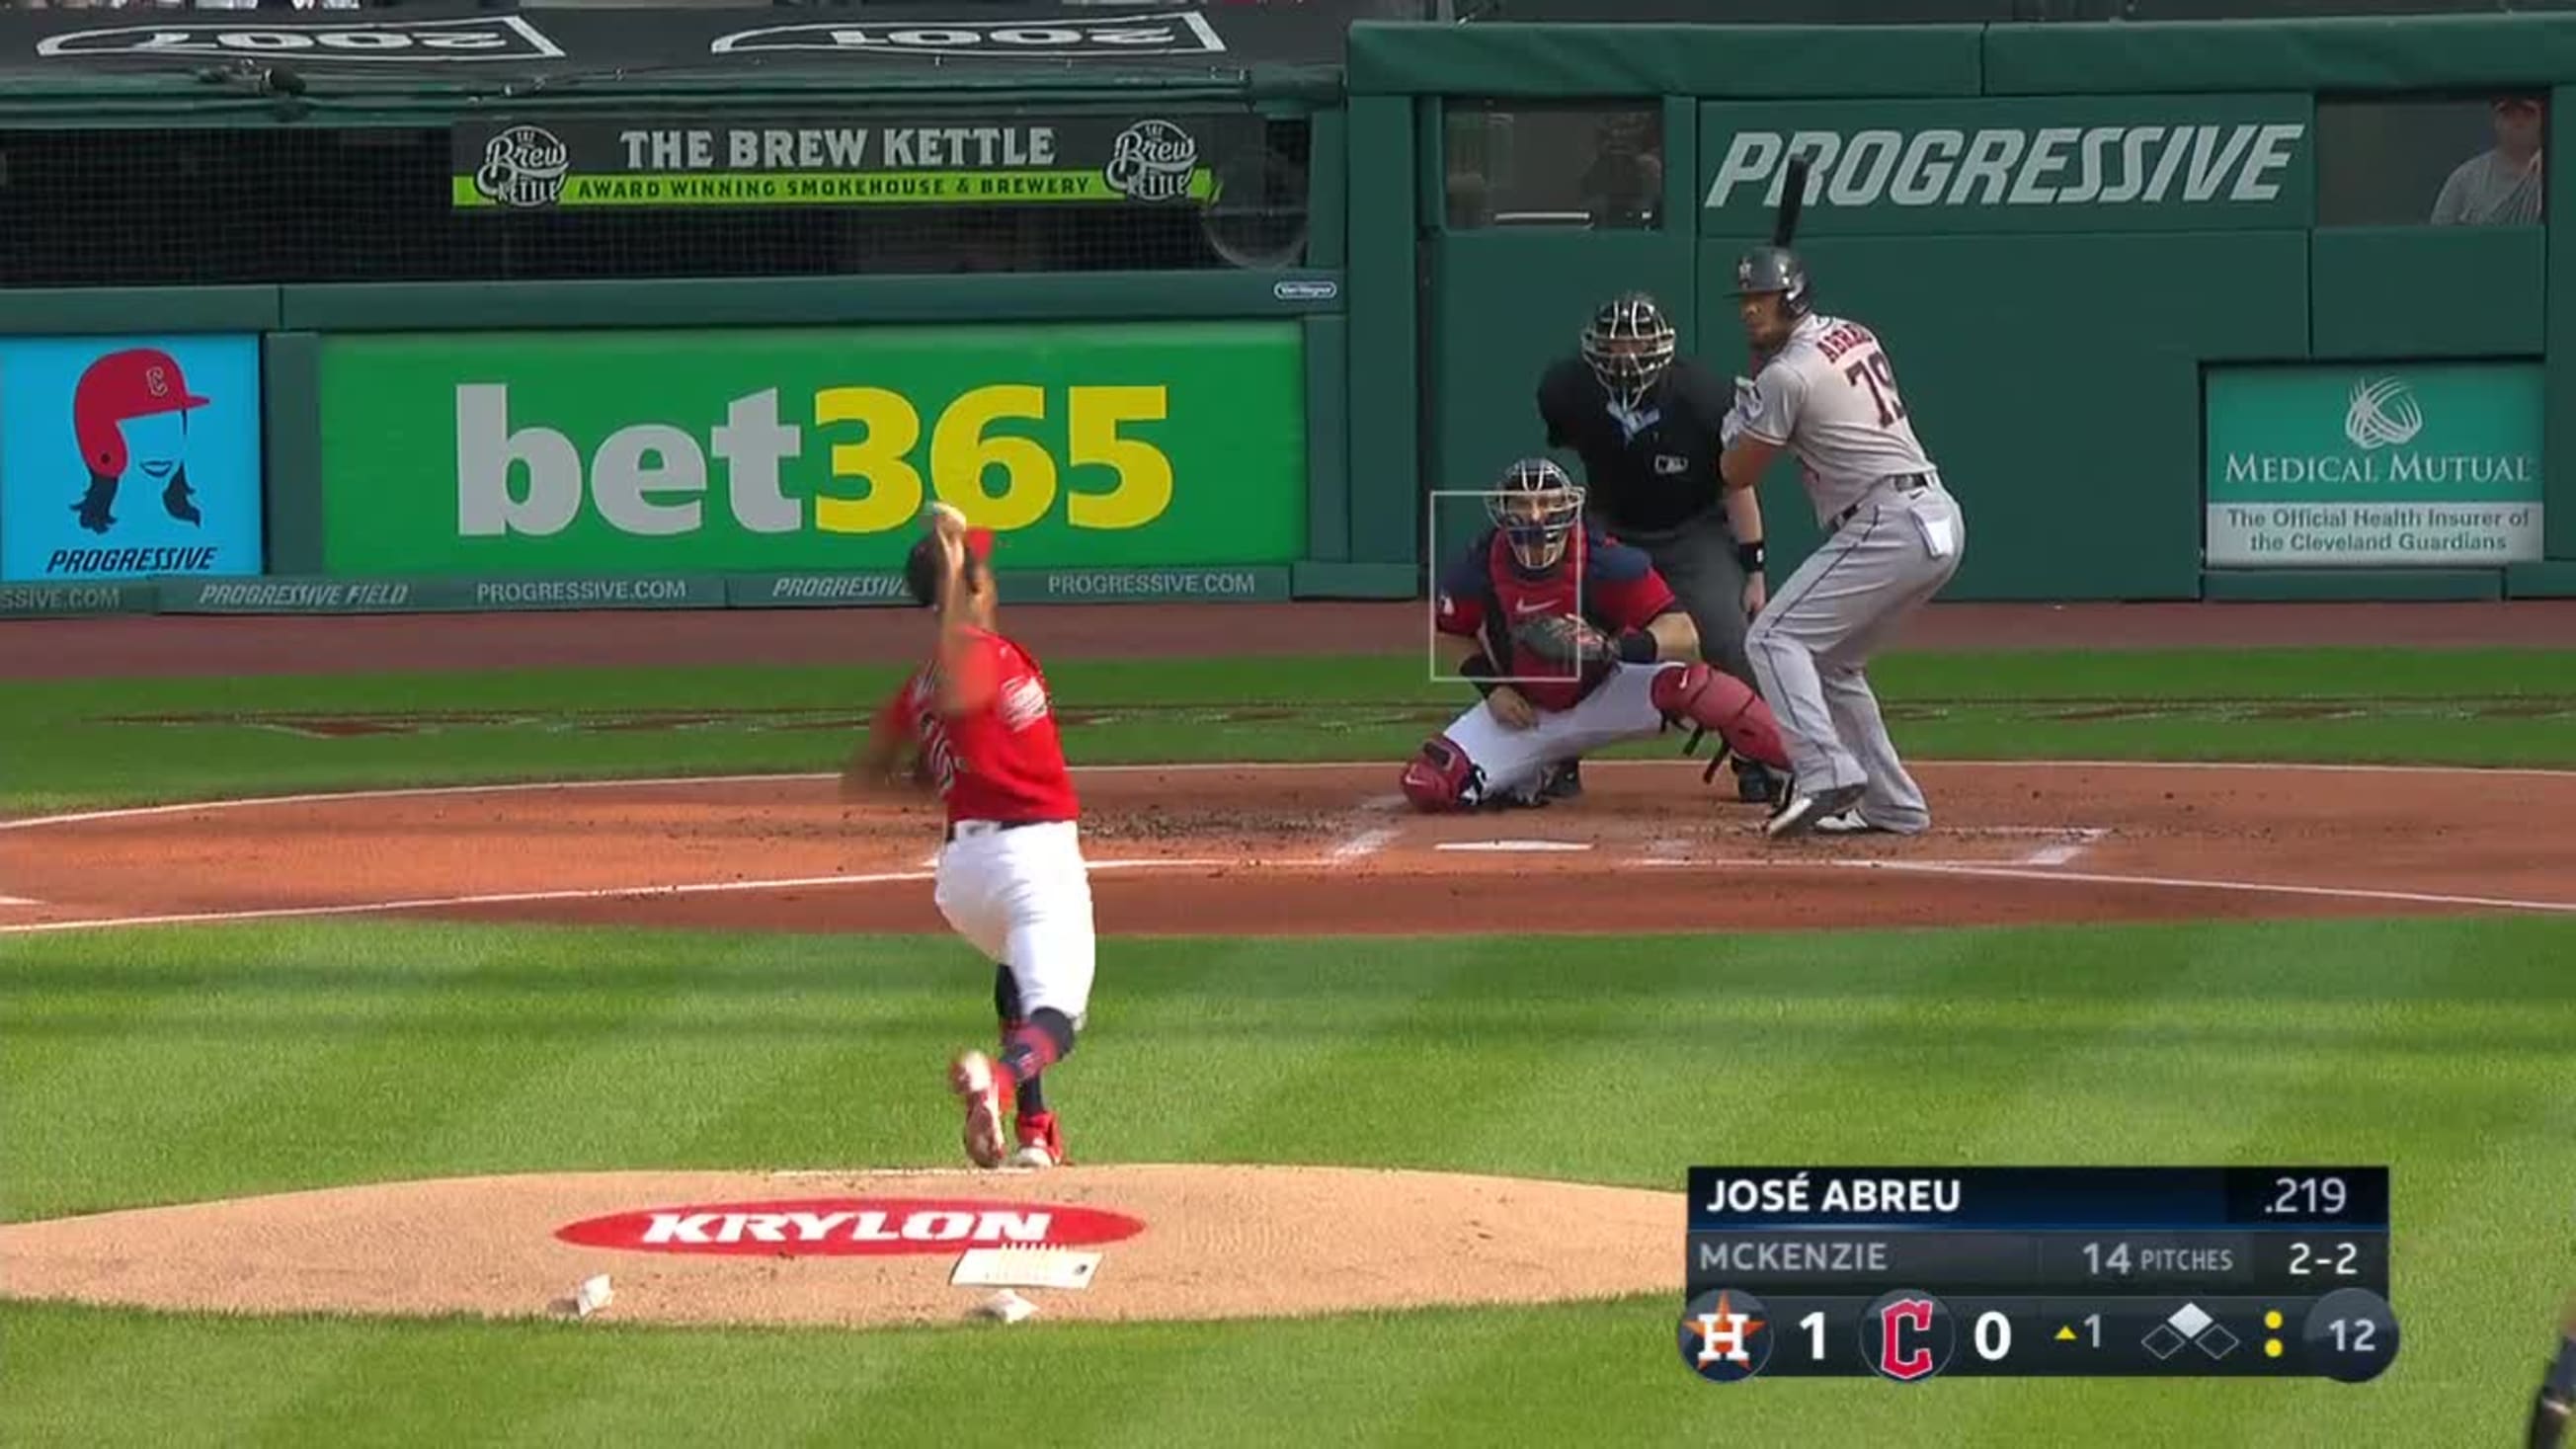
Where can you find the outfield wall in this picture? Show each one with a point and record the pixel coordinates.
(2118, 267)
(2136, 358)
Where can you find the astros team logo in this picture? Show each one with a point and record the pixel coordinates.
(1726, 1335)
(1908, 1336)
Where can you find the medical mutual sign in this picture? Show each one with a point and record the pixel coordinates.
(2373, 464)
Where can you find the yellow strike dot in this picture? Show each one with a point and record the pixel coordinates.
(2272, 1319)
(2271, 1348)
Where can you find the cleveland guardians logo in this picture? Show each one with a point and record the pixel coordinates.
(1908, 1336)
(130, 418)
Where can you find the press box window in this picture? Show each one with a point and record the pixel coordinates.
(1526, 165)
(2433, 160)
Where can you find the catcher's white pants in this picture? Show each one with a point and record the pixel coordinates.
(1621, 708)
(1023, 898)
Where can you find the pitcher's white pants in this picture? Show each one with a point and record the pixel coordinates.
(1023, 898)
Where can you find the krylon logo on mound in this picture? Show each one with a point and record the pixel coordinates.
(2063, 164)
(850, 1227)
(2431, 463)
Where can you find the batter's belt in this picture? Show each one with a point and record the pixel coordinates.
(1907, 483)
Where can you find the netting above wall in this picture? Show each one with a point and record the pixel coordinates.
(608, 199)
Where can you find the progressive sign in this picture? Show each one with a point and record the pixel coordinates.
(2067, 163)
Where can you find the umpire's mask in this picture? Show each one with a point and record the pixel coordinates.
(1538, 508)
(1628, 345)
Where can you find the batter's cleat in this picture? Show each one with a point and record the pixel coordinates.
(1564, 781)
(1041, 1144)
(1754, 782)
(1803, 811)
(972, 1078)
(1849, 822)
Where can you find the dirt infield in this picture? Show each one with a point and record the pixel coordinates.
(1231, 850)
(1205, 850)
(867, 1248)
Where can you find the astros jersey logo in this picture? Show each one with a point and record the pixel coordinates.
(1725, 1335)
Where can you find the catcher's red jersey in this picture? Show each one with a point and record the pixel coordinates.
(1003, 761)
(1486, 593)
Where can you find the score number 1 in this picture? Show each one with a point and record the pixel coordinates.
(1992, 1335)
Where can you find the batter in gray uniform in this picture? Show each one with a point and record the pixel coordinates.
(1826, 392)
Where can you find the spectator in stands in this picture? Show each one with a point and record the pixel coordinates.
(1624, 187)
(2502, 186)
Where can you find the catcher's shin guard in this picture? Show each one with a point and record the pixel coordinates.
(1701, 697)
(1441, 778)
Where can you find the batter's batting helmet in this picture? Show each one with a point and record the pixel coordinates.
(1773, 269)
(137, 382)
(1628, 344)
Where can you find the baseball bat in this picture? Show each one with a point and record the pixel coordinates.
(1793, 199)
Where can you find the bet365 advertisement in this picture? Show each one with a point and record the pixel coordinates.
(129, 457)
(1085, 446)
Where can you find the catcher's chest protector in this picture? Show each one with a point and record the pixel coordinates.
(1519, 597)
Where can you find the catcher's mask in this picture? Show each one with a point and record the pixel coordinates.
(1628, 344)
(1538, 508)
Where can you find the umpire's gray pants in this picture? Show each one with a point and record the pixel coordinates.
(1698, 560)
(1812, 641)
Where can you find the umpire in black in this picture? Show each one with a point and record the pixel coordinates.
(1647, 423)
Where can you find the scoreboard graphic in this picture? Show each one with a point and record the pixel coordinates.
(1913, 1273)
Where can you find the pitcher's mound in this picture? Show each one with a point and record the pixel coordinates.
(868, 1247)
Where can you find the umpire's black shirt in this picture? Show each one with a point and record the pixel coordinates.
(1654, 470)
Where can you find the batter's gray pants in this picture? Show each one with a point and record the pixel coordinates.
(1814, 638)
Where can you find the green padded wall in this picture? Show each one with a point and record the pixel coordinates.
(1396, 57)
(2558, 435)
(1506, 303)
(2048, 401)
(2428, 291)
(2392, 53)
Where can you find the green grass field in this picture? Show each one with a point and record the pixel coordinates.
(169, 1064)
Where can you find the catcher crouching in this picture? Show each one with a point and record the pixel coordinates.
(1576, 644)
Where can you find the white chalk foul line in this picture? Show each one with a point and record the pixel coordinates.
(509, 898)
(2066, 851)
(2247, 887)
(1203, 767)
(1364, 840)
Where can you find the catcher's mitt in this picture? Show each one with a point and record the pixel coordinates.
(1566, 642)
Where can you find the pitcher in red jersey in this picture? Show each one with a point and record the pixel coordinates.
(1011, 880)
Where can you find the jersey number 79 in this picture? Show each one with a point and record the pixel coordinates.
(1871, 371)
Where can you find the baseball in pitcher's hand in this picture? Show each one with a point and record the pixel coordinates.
(1756, 594)
(1512, 709)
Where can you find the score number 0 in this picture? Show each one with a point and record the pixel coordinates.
(1992, 1335)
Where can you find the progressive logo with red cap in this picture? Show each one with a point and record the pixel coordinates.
(850, 1227)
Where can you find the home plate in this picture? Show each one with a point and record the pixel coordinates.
(1522, 846)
